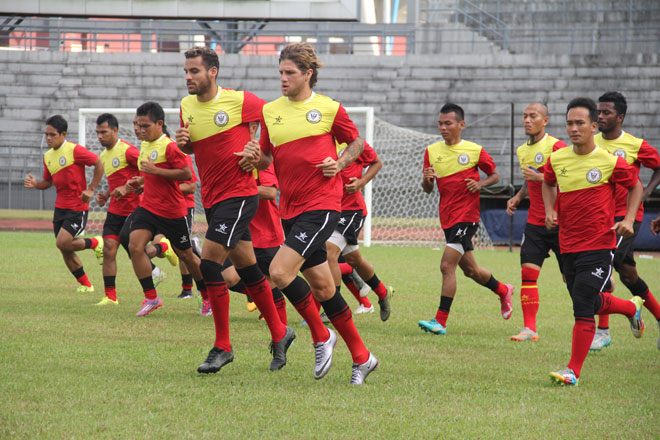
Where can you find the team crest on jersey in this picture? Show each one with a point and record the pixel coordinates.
(115, 162)
(463, 159)
(594, 175)
(313, 116)
(221, 119)
(620, 153)
(62, 160)
(538, 159)
(153, 155)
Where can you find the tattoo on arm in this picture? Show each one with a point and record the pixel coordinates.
(351, 153)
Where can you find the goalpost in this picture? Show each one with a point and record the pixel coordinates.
(399, 212)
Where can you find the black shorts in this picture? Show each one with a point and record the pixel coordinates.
(229, 220)
(536, 243)
(625, 249)
(113, 225)
(462, 233)
(307, 234)
(264, 258)
(586, 275)
(73, 222)
(174, 229)
(349, 225)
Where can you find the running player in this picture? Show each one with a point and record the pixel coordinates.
(64, 167)
(215, 123)
(162, 207)
(188, 189)
(298, 136)
(537, 240)
(612, 109)
(454, 164)
(586, 175)
(344, 239)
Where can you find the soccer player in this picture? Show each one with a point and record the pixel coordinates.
(215, 123)
(188, 189)
(162, 207)
(298, 136)
(454, 164)
(344, 239)
(612, 109)
(586, 175)
(537, 239)
(64, 167)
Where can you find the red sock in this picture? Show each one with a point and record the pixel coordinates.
(356, 293)
(345, 268)
(218, 294)
(94, 243)
(651, 304)
(111, 293)
(310, 313)
(583, 336)
(83, 280)
(317, 304)
(604, 320)
(380, 290)
(150, 294)
(341, 317)
(501, 289)
(263, 298)
(611, 304)
(280, 305)
(441, 316)
(204, 294)
(529, 297)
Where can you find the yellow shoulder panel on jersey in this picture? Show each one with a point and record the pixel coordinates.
(626, 146)
(451, 159)
(536, 155)
(209, 118)
(154, 151)
(576, 172)
(288, 121)
(115, 158)
(57, 160)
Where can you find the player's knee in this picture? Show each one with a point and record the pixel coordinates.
(135, 249)
(470, 272)
(109, 251)
(447, 268)
(280, 275)
(63, 244)
(353, 259)
(210, 270)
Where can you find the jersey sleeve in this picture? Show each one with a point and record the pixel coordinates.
(132, 154)
(267, 177)
(264, 139)
(427, 162)
(175, 157)
(648, 156)
(557, 145)
(192, 170)
(486, 162)
(252, 106)
(47, 175)
(368, 156)
(623, 174)
(343, 129)
(549, 176)
(83, 156)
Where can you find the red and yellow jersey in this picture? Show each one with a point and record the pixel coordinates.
(355, 201)
(65, 166)
(218, 129)
(635, 152)
(300, 135)
(190, 198)
(535, 156)
(120, 164)
(585, 201)
(162, 196)
(453, 164)
(266, 226)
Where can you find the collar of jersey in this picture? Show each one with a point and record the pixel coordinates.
(63, 143)
(455, 145)
(157, 140)
(588, 155)
(301, 102)
(217, 96)
(116, 143)
(536, 143)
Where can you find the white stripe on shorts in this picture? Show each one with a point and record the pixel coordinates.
(240, 211)
(327, 217)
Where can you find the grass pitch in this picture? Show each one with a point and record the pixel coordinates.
(69, 369)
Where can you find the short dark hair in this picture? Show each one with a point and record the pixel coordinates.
(155, 113)
(109, 118)
(209, 57)
(58, 123)
(587, 103)
(455, 108)
(616, 98)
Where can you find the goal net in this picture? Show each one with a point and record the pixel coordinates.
(400, 212)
